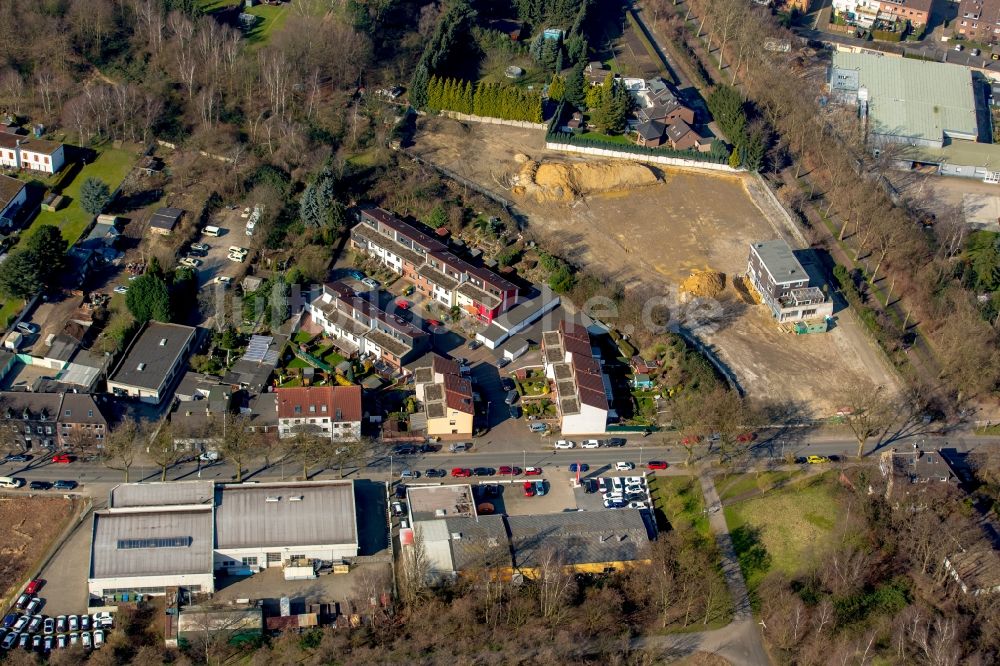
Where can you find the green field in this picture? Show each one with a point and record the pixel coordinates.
(783, 528)
(272, 18)
(681, 501)
(735, 485)
(111, 166)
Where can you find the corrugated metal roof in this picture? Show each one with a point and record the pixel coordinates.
(109, 561)
(324, 515)
(162, 494)
(914, 98)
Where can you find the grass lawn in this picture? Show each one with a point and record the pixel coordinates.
(111, 166)
(368, 158)
(783, 528)
(531, 388)
(681, 501)
(739, 484)
(616, 138)
(297, 363)
(301, 338)
(333, 359)
(271, 18)
(9, 308)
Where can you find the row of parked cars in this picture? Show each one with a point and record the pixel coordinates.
(591, 443)
(24, 627)
(620, 492)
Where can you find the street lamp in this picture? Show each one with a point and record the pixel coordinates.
(640, 456)
(524, 459)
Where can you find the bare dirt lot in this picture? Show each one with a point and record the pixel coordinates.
(653, 237)
(30, 525)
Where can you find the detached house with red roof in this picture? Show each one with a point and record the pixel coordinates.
(582, 389)
(327, 411)
(445, 398)
(23, 152)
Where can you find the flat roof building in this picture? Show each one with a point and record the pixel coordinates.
(150, 364)
(905, 100)
(155, 536)
(430, 502)
(784, 285)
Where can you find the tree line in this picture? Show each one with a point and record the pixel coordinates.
(487, 99)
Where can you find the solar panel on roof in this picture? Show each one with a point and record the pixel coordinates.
(257, 348)
(157, 542)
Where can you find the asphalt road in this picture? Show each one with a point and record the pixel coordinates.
(639, 451)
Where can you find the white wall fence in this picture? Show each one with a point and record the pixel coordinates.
(494, 121)
(639, 157)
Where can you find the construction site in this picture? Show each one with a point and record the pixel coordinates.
(659, 231)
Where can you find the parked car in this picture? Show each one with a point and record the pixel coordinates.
(616, 441)
(615, 504)
(9, 641)
(817, 460)
(62, 640)
(22, 622)
(503, 362)
(60, 624)
(579, 467)
(63, 484)
(98, 639)
(190, 262)
(103, 620)
(409, 474)
(200, 247)
(35, 624)
(564, 444)
(34, 606)
(74, 622)
(403, 304)
(638, 505)
(507, 384)
(28, 328)
(404, 450)
(62, 459)
(623, 466)
(24, 641)
(39, 485)
(461, 472)
(511, 397)
(47, 644)
(9, 620)
(398, 509)
(22, 601)
(17, 457)
(539, 487)
(537, 427)
(368, 282)
(532, 471)
(656, 464)
(85, 640)
(433, 323)
(459, 447)
(491, 490)
(435, 473)
(515, 412)
(974, 52)
(121, 289)
(400, 492)
(48, 626)
(590, 444)
(429, 448)
(34, 586)
(209, 456)
(483, 471)
(507, 470)
(474, 344)
(529, 489)
(36, 643)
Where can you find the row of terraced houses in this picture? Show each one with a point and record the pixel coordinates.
(432, 267)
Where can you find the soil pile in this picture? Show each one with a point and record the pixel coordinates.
(554, 181)
(707, 283)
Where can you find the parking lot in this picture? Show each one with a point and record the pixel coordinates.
(270, 585)
(558, 496)
(65, 590)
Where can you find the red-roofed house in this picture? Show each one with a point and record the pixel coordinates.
(333, 411)
(582, 389)
(445, 398)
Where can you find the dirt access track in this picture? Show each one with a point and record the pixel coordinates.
(651, 238)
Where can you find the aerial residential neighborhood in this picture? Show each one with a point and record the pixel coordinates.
(455, 331)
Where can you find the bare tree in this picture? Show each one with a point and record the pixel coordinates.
(239, 444)
(867, 411)
(413, 572)
(162, 449)
(555, 584)
(123, 444)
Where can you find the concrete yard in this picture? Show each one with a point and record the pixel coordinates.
(650, 238)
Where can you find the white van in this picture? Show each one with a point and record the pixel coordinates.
(211, 231)
(10, 482)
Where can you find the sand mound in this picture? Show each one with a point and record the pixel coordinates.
(521, 158)
(564, 181)
(706, 283)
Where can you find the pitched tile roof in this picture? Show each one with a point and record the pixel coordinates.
(340, 403)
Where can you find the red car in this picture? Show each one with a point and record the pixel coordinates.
(34, 586)
(532, 471)
(529, 489)
(402, 303)
(62, 459)
(656, 464)
(434, 323)
(506, 470)
(461, 472)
